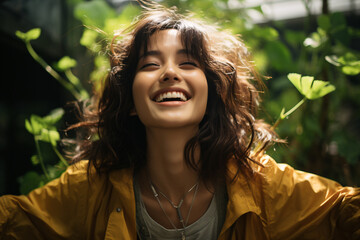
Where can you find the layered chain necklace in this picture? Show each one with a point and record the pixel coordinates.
(177, 207)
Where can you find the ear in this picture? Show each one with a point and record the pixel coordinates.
(133, 112)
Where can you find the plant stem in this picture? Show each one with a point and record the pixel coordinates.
(76, 82)
(41, 159)
(52, 72)
(294, 108)
(62, 159)
(284, 115)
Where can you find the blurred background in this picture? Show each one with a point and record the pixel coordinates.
(319, 38)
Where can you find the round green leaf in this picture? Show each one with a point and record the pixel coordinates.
(351, 70)
(54, 137)
(37, 124)
(35, 159)
(88, 38)
(66, 63)
(30, 35)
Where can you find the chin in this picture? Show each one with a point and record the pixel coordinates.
(174, 123)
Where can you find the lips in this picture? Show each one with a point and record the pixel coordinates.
(166, 95)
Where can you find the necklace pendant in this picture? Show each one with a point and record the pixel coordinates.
(180, 215)
(183, 236)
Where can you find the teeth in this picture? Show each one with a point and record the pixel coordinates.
(171, 95)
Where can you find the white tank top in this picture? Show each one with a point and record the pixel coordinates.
(206, 227)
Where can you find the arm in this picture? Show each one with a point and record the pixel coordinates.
(50, 212)
(301, 205)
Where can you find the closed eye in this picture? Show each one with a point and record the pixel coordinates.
(189, 63)
(149, 65)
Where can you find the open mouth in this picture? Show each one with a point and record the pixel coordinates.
(171, 96)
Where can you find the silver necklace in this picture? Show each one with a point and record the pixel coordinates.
(156, 195)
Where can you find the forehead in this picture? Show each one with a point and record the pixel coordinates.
(169, 38)
(182, 41)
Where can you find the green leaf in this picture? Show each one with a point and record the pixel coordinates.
(28, 126)
(349, 63)
(123, 20)
(29, 181)
(261, 60)
(88, 38)
(348, 58)
(339, 31)
(30, 35)
(35, 159)
(316, 39)
(54, 116)
(324, 22)
(337, 19)
(310, 88)
(320, 89)
(37, 124)
(65, 63)
(50, 136)
(94, 13)
(295, 80)
(333, 59)
(295, 38)
(55, 171)
(279, 56)
(306, 83)
(54, 137)
(351, 70)
(266, 33)
(341, 35)
(258, 9)
(43, 136)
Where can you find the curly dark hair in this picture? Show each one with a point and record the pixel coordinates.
(226, 133)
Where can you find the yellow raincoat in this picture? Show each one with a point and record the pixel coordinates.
(279, 203)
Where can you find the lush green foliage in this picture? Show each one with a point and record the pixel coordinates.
(46, 135)
(319, 138)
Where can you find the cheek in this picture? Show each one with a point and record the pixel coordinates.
(202, 90)
(202, 85)
(138, 98)
(139, 90)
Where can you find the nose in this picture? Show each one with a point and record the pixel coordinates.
(170, 73)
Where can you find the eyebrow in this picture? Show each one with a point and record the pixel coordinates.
(157, 53)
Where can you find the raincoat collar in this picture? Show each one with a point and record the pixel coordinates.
(240, 197)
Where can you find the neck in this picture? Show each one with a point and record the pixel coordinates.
(166, 165)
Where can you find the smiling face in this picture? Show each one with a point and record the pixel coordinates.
(170, 88)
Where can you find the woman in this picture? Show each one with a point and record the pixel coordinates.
(176, 125)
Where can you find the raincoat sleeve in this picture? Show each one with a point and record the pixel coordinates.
(52, 211)
(301, 205)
